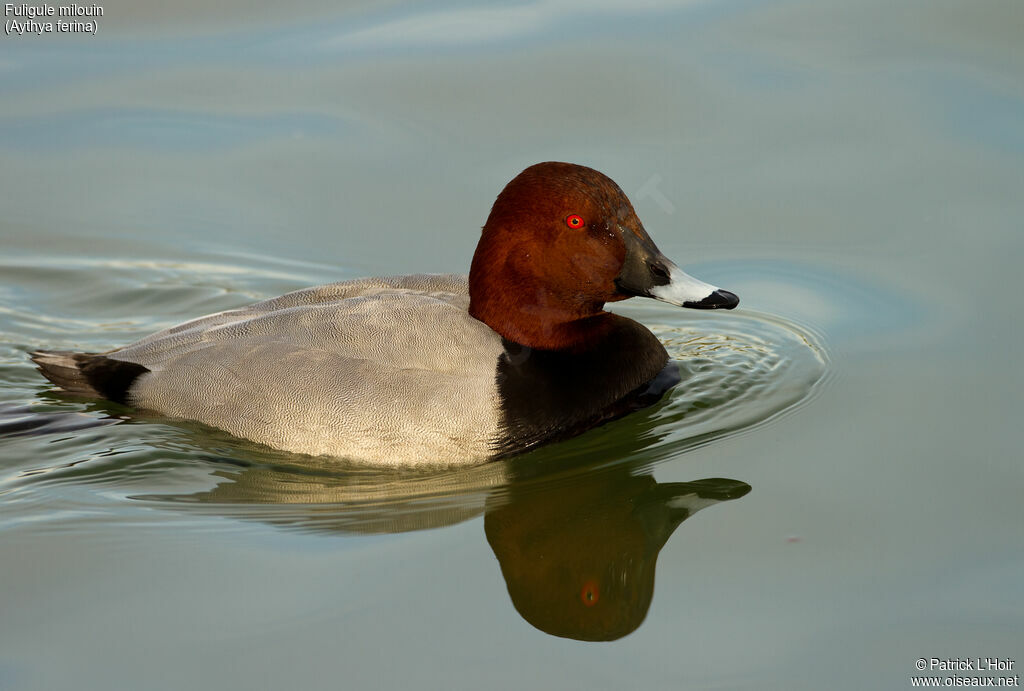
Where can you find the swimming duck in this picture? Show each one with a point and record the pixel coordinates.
(429, 369)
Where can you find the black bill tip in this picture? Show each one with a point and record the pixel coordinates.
(718, 300)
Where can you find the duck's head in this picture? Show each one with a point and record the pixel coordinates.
(561, 241)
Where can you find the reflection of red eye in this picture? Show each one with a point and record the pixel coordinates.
(590, 593)
(574, 221)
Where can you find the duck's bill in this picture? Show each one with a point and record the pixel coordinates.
(686, 291)
(649, 273)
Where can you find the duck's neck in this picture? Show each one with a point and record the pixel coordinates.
(541, 323)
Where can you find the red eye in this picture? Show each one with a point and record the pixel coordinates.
(590, 593)
(574, 221)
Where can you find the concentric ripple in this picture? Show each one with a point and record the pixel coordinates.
(740, 370)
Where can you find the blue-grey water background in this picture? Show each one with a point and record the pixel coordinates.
(853, 170)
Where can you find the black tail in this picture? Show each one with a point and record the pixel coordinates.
(88, 374)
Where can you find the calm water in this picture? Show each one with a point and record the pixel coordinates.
(850, 436)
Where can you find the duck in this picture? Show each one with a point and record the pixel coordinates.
(429, 369)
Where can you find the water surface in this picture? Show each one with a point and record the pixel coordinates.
(848, 436)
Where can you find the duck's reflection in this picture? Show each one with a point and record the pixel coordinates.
(577, 549)
(314, 498)
(579, 558)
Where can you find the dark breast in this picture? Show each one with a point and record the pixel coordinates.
(550, 395)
